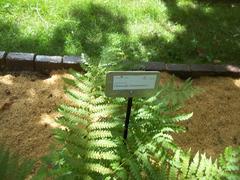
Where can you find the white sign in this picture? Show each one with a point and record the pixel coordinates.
(131, 83)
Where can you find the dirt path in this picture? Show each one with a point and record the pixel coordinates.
(28, 107)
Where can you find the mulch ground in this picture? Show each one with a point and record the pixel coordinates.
(28, 105)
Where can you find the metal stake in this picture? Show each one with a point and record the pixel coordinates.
(125, 134)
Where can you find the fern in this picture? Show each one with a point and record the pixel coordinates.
(12, 167)
(201, 167)
(91, 140)
(89, 147)
(230, 163)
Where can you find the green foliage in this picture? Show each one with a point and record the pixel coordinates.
(190, 31)
(184, 166)
(12, 167)
(91, 140)
(230, 163)
(87, 135)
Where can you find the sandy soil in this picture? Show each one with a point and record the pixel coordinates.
(216, 116)
(28, 105)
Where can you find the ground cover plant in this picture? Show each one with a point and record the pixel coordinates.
(12, 166)
(187, 31)
(91, 140)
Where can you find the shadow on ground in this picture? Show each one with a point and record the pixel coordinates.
(202, 41)
(86, 31)
(210, 33)
(28, 104)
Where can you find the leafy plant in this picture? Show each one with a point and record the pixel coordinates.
(230, 163)
(12, 167)
(185, 166)
(91, 140)
(87, 136)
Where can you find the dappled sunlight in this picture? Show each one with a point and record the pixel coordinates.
(233, 68)
(52, 80)
(147, 26)
(168, 31)
(28, 105)
(7, 79)
(58, 93)
(32, 93)
(56, 79)
(215, 123)
(49, 119)
(31, 96)
(237, 82)
(187, 5)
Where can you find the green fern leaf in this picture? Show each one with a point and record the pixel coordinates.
(102, 143)
(193, 167)
(102, 155)
(99, 134)
(134, 168)
(102, 125)
(98, 168)
(12, 167)
(182, 117)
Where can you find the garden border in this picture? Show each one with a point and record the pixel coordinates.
(18, 61)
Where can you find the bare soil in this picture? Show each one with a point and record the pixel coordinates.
(28, 104)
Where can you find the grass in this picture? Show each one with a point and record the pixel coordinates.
(181, 31)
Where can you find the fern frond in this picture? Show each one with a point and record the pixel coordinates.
(93, 145)
(99, 100)
(99, 134)
(102, 125)
(104, 143)
(184, 168)
(230, 163)
(102, 155)
(77, 83)
(70, 109)
(182, 117)
(12, 167)
(193, 167)
(78, 95)
(70, 119)
(95, 167)
(175, 165)
(152, 172)
(77, 99)
(69, 81)
(134, 168)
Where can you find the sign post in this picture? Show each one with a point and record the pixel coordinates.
(131, 84)
(129, 106)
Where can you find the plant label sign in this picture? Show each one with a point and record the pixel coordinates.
(131, 83)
